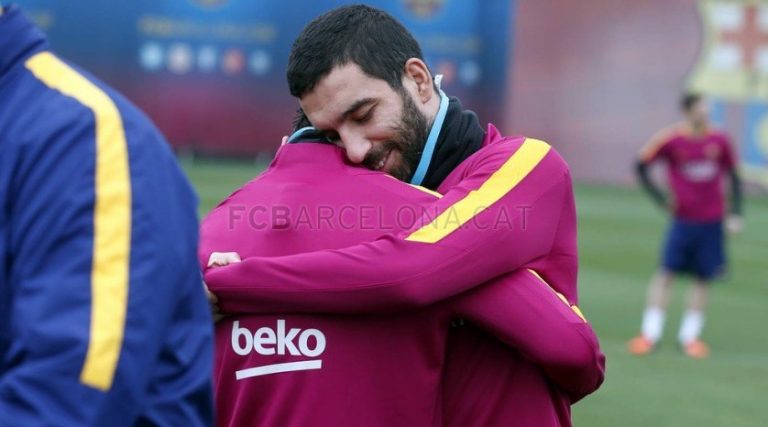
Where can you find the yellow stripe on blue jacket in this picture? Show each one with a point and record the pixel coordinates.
(103, 320)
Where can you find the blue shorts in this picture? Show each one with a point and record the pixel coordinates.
(695, 248)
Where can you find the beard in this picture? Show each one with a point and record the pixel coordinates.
(410, 135)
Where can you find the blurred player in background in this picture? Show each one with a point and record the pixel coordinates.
(103, 319)
(698, 158)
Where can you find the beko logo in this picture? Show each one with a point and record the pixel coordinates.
(269, 342)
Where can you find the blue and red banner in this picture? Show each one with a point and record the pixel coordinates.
(733, 72)
(211, 73)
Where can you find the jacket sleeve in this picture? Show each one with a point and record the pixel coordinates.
(60, 360)
(524, 312)
(501, 216)
(657, 148)
(83, 341)
(730, 164)
(654, 150)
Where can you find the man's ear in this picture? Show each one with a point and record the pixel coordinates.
(418, 73)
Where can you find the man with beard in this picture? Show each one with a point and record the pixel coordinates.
(373, 370)
(507, 202)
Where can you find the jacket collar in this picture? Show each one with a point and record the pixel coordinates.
(19, 39)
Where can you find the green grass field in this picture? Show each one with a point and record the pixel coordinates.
(620, 233)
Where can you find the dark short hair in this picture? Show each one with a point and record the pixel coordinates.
(368, 37)
(300, 120)
(688, 100)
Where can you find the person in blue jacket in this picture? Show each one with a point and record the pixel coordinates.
(103, 316)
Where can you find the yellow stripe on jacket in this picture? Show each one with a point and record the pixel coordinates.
(111, 222)
(562, 297)
(501, 182)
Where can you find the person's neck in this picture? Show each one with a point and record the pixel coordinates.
(460, 136)
(697, 128)
(432, 107)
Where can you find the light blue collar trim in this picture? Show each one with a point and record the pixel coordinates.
(429, 147)
(296, 135)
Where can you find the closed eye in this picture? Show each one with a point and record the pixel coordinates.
(366, 117)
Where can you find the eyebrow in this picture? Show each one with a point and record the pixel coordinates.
(354, 107)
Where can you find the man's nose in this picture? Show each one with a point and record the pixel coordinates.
(356, 146)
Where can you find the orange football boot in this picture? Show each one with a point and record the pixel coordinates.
(696, 349)
(640, 346)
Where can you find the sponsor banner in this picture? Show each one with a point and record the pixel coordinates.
(211, 73)
(733, 71)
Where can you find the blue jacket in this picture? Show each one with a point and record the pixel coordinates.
(103, 318)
